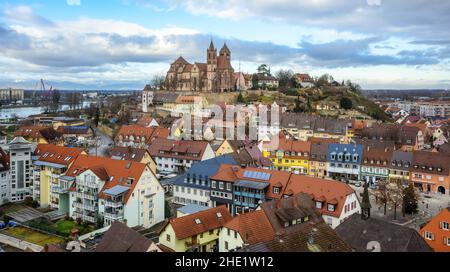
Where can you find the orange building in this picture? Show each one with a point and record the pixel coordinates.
(437, 232)
(430, 172)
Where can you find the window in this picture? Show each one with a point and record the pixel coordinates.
(197, 221)
(221, 185)
(229, 186)
(235, 234)
(168, 238)
(226, 245)
(318, 205)
(213, 184)
(444, 225)
(276, 190)
(228, 232)
(428, 235)
(330, 207)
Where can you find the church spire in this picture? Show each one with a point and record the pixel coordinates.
(211, 45)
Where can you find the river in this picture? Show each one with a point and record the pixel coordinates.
(24, 112)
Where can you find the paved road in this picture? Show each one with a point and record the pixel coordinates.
(429, 206)
(104, 143)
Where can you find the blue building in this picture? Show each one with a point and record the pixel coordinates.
(344, 162)
(193, 187)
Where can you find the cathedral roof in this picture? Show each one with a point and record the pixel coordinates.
(223, 63)
(211, 45)
(201, 66)
(225, 49)
(181, 60)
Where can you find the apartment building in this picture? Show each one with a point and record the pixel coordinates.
(21, 165)
(4, 177)
(375, 164)
(318, 159)
(426, 109)
(406, 138)
(133, 154)
(40, 134)
(49, 163)
(110, 190)
(288, 154)
(344, 161)
(399, 166)
(430, 172)
(173, 156)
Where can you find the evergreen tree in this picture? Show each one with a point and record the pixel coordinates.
(346, 103)
(365, 204)
(240, 98)
(96, 116)
(410, 205)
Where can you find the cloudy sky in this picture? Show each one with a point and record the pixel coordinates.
(121, 44)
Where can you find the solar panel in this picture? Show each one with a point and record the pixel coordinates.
(257, 175)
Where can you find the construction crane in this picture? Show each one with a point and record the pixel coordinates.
(41, 87)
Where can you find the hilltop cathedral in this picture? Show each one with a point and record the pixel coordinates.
(217, 75)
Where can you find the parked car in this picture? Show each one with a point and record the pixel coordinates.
(2, 225)
(12, 224)
(357, 184)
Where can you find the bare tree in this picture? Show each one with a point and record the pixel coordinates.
(395, 196)
(382, 195)
(157, 82)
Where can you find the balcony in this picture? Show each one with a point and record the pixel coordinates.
(252, 195)
(113, 204)
(87, 184)
(114, 216)
(85, 196)
(88, 218)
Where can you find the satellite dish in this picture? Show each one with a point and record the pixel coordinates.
(374, 246)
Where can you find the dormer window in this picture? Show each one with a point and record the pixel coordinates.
(347, 157)
(430, 168)
(219, 215)
(331, 208)
(416, 166)
(276, 190)
(340, 156)
(439, 169)
(286, 224)
(197, 221)
(333, 156)
(355, 158)
(319, 204)
(393, 163)
(111, 178)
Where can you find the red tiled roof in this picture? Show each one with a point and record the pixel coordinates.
(37, 132)
(253, 227)
(185, 149)
(334, 192)
(149, 133)
(4, 160)
(187, 226)
(57, 154)
(113, 172)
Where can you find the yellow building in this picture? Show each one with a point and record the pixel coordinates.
(288, 154)
(40, 135)
(195, 232)
(52, 162)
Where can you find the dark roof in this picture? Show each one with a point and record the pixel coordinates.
(401, 160)
(4, 161)
(120, 238)
(127, 153)
(287, 209)
(310, 237)
(393, 238)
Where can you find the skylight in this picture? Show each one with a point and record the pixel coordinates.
(197, 221)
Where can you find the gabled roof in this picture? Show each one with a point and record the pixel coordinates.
(183, 149)
(253, 227)
(127, 153)
(431, 162)
(113, 172)
(392, 237)
(204, 221)
(37, 132)
(120, 238)
(57, 154)
(332, 191)
(323, 238)
(149, 133)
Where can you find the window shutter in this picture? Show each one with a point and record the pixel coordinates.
(445, 240)
(432, 236)
(440, 224)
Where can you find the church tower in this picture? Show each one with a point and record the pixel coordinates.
(211, 66)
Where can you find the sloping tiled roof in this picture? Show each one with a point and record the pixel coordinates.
(113, 172)
(120, 238)
(183, 149)
(377, 156)
(4, 161)
(321, 188)
(437, 161)
(77, 130)
(253, 227)
(149, 133)
(391, 237)
(37, 132)
(210, 219)
(324, 239)
(127, 153)
(57, 154)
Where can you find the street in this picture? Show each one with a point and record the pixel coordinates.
(104, 143)
(429, 206)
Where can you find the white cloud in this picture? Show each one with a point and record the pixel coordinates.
(73, 2)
